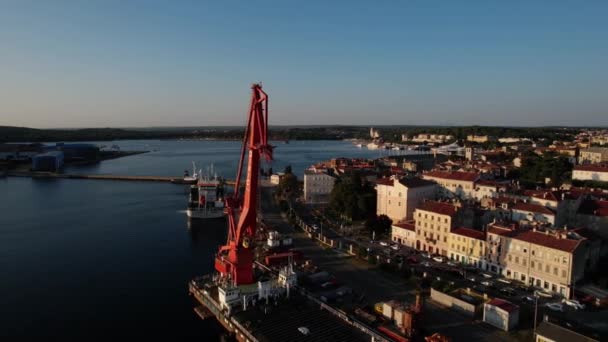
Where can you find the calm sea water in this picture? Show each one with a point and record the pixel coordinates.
(91, 259)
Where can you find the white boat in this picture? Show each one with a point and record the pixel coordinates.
(191, 179)
(372, 146)
(206, 199)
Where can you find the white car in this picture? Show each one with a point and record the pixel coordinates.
(451, 263)
(472, 279)
(438, 258)
(505, 281)
(486, 283)
(574, 303)
(555, 306)
(426, 255)
(485, 275)
(383, 243)
(395, 247)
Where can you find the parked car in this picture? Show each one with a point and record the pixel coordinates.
(528, 299)
(426, 264)
(555, 306)
(503, 280)
(383, 243)
(508, 291)
(574, 303)
(438, 258)
(543, 294)
(471, 278)
(487, 283)
(451, 263)
(486, 275)
(426, 255)
(395, 247)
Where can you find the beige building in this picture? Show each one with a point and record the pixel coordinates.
(591, 172)
(552, 260)
(454, 183)
(432, 138)
(397, 198)
(404, 233)
(593, 155)
(468, 246)
(434, 222)
(318, 184)
(480, 138)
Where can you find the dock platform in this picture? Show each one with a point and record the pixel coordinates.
(53, 175)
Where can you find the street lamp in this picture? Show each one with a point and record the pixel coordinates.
(535, 311)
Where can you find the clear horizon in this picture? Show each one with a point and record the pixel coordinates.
(70, 64)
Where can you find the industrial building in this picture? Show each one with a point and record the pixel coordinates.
(49, 161)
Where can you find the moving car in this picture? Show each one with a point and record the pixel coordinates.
(438, 258)
(574, 303)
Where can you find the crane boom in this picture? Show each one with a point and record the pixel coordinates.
(234, 260)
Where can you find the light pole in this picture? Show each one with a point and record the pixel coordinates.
(535, 312)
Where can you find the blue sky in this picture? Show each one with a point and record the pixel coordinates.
(158, 63)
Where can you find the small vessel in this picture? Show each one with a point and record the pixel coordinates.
(372, 146)
(190, 179)
(206, 198)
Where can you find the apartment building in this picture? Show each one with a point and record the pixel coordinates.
(528, 213)
(404, 233)
(454, 183)
(397, 198)
(468, 246)
(552, 260)
(434, 222)
(593, 155)
(591, 172)
(318, 183)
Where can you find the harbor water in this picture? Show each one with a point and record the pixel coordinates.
(92, 259)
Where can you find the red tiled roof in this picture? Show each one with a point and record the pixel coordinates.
(544, 194)
(502, 230)
(385, 181)
(411, 225)
(548, 240)
(439, 208)
(503, 304)
(594, 168)
(415, 182)
(468, 232)
(453, 175)
(535, 208)
(594, 207)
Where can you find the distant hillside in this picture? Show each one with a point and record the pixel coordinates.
(24, 134)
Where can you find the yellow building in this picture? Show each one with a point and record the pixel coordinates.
(468, 246)
(434, 222)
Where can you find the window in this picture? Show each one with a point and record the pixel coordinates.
(547, 268)
(446, 220)
(517, 259)
(525, 250)
(399, 203)
(445, 239)
(531, 264)
(509, 257)
(565, 260)
(555, 271)
(524, 261)
(564, 273)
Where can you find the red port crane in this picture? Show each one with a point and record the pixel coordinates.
(234, 260)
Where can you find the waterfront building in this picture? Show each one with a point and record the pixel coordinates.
(480, 138)
(398, 197)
